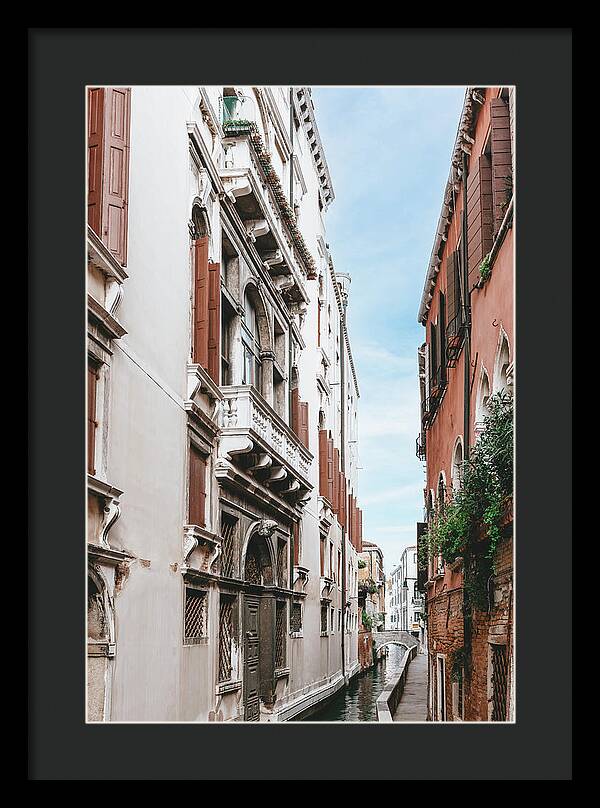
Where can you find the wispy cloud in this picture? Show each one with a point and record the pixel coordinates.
(389, 152)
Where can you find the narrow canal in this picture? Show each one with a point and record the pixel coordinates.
(357, 701)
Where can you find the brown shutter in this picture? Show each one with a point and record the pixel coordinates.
(349, 518)
(336, 481)
(95, 157)
(197, 488)
(501, 159)
(115, 192)
(200, 248)
(451, 294)
(442, 336)
(433, 354)
(323, 462)
(303, 425)
(360, 530)
(214, 322)
(479, 216)
(343, 501)
(330, 470)
(92, 423)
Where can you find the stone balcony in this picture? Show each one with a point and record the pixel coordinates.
(245, 183)
(256, 444)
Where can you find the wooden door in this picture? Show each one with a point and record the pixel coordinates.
(251, 659)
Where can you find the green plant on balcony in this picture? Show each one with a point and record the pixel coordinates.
(366, 620)
(361, 564)
(485, 269)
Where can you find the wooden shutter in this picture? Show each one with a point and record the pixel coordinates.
(336, 481)
(442, 337)
(330, 470)
(295, 411)
(95, 157)
(200, 336)
(350, 518)
(323, 462)
(342, 506)
(115, 192)
(214, 322)
(501, 159)
(92, 423)
(451, 294)
(303, 422)
(197, 488)
(360, 530)
(479, 216)
(433, 357)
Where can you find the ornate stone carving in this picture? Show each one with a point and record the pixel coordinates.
(266, 527)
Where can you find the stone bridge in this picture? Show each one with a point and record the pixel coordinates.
(395, 637)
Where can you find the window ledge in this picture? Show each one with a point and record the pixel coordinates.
(228, 687)
(296, 635)
(280, 673)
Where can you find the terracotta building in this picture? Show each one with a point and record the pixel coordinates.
(467, 312)
(371, 599)
(223, 524)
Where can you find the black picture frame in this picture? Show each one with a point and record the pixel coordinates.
(61, 63)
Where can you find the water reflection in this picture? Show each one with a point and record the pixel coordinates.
(357, 701)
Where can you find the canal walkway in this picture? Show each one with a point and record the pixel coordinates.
(413, 704)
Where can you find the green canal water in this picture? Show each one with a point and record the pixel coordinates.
(357, 701)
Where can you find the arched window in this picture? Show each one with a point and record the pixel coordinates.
(457, 466)
(502, 382)
(251, 345)
(483, 395)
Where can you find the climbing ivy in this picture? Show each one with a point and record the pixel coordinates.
(477, 508)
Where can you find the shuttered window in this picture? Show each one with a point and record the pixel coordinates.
(479, 215)
(197, 488)
(336, 480)
(303, 423)
(109, 112)
(92, 423)
(501, 160)
(296, 542)
(323, 448)
(433, 357)
(200, 320)
(455, 314)
(214, 322)
(330, 469)
(442, 337)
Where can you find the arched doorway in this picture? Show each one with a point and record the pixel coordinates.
(258, 625)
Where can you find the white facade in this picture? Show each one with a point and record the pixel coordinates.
(404, 601)
(220, 618)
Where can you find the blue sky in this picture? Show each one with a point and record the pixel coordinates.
(388, 151)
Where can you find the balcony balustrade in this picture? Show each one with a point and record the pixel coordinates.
(257, 441)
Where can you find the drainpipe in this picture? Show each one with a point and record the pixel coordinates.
(466, 302)
(292, 152)
(343, 465)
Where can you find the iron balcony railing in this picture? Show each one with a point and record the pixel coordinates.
(455, 334)
(421, 445)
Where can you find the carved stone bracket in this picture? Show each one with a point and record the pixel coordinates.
(110, 498)
(301, 577)
(266, 527)
(195, 536)
(256, 228)
(326, 587)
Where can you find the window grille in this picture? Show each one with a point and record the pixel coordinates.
(296, 618)
(499, 682)
(280, 631)
(324, 611)
(225, 637)
(194, 619)
(228, 545)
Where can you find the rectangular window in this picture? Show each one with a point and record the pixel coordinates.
(226, 320)
(324, 611)
(458, 696)
(226, 603)
(499, 682)
(441, 688)
(92, 423)
(229, 526)
(322, 556)
(331, 570)
(296, 618)
(194, 616)
(332, 620)
(280, 633)
(197, 488)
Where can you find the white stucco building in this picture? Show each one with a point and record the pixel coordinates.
(221, 535)
(404, 601)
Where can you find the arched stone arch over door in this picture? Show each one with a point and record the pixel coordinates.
(100, 649)
(258, 565)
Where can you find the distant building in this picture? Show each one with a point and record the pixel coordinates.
(371, 599)
(405, 601)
